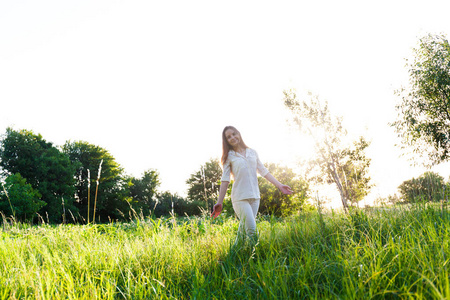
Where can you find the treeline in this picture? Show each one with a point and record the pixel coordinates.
(80, 182)
(428, 187)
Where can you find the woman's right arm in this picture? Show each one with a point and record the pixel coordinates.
(222, 193)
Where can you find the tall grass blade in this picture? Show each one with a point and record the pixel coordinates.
(96, 189)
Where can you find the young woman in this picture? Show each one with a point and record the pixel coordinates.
(243, 163)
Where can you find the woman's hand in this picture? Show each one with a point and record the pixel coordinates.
(216, 210)
(282, 187)
(285, 189)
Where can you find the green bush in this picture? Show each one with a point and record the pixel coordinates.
(19, 199)
(273, 202)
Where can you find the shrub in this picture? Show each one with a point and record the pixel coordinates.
(19, 199)
(168, 203)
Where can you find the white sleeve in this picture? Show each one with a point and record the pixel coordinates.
(226, 171)
(262, 170)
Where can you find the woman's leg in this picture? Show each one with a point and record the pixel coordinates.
(246, 211)
(254, 203)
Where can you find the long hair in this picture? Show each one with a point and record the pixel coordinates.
(226, 147)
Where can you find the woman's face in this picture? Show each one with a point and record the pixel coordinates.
(233, 138)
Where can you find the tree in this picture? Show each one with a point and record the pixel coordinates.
(423, 120)
(353, 166)
(429, 186)
(274, 202)
(19, 199)
(168, 203)
(112, 194)
(344, 167)
(205, 183)
(143, 191)
(48, 170)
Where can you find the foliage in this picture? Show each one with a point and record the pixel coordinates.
(275, 203)
(168, 204)
(345, 167)
(143, 191)
(353, 166)
(19, 199)
(388, 200)
(48, 170)
(424, 112)
(204, 184)
(112, 194)
(429, 186)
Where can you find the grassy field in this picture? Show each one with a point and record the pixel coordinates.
(395, 253)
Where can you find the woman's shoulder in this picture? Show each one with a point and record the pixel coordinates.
(231, 155)
(252, 151)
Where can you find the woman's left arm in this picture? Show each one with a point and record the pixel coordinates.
(282, 187)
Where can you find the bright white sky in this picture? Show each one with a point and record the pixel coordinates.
(155, 82)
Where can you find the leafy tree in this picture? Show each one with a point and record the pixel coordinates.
(423, 120)
(204, 184)
(48, 170)
(344, 167)
(429, 186)
(143, 191)
(19, 199)
(274, 202)
(112, 193)
(353, 166)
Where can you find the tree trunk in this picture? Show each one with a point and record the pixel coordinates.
(335, 175)
(337, 180)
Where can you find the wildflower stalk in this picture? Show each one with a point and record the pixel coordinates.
(96, 189)
(89, 194)
(9, 200)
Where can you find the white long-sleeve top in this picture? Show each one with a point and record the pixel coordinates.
(245, 169)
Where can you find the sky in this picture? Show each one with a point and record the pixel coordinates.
(155, 82)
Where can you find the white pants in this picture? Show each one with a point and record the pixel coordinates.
(246, 211)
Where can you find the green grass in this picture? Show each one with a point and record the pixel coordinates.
(394, 253)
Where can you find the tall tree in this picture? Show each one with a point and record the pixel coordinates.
(423, 120)
(204, 184)
(111, 198)
(353, 167)
(335, 162)
(48, 170)
(143, 191)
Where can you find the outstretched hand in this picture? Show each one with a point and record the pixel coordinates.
(216, 210)
(285, 189)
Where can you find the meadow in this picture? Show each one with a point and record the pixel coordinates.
(386, 253)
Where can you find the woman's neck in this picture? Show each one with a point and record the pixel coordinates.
(239, 149)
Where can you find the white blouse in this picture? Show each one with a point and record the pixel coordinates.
(244, 169)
